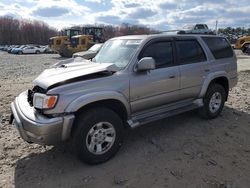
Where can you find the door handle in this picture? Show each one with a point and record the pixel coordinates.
(172, 76)
(207, 70)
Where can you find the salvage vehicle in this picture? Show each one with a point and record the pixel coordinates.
(90, 53)
(242, 43)
(196, 29)
(133, 80)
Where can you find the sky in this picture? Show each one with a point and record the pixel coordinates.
(158, 14)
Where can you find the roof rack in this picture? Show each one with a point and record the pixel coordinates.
(180, 32)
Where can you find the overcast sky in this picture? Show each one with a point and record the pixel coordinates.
(158, 14)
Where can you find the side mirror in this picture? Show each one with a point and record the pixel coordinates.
(146, 64)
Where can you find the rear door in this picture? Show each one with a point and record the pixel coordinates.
(193, 66)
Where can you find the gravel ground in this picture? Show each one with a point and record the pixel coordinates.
(181, 151)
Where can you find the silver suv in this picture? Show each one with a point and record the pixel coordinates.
(133, 80)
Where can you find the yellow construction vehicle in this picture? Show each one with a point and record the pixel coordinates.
(77, 43)
(242, 43)
(56, 42)
(76, 40)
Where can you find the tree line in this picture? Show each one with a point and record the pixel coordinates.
(15, 31)
(110, 31)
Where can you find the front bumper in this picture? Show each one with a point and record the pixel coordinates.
(37, 128)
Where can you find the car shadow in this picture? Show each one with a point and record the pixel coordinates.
(164, 139)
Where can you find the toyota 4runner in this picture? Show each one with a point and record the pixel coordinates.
(132, 81)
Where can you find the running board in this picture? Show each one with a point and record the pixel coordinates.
(161, 114)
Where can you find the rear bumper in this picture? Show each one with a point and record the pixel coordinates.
(37, 128)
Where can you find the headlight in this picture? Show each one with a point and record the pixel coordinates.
(42, 101)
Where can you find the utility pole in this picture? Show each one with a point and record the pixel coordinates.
(216, 27)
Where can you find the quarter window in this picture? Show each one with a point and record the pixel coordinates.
(161, 52)
(190, 51)
(219, 47)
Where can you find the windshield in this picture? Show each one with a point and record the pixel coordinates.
(95, 48)
(118, 52)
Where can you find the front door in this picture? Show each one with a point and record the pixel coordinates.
(157, 87)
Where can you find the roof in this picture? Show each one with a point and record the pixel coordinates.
(58, 37)
(142, 37)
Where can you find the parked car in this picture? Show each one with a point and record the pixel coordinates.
(17, 50)
(5, 47)
(196, 29)
(133, 80)
(90, 53)
(30, 50)
(11, 47)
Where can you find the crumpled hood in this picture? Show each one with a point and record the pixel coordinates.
(69, 71)
(84, 53)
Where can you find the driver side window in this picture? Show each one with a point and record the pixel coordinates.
(161, 52)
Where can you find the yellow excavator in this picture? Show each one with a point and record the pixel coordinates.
(242, 43)
(76, 40)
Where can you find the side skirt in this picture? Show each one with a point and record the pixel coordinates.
(162, 112)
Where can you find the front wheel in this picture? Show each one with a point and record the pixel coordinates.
(214, 101)
(98, 135)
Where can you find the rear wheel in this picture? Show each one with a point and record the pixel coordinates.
(65, 52)
(213, 101)
(37, 52)
(98, 135)
(245, 47)
(20, 52)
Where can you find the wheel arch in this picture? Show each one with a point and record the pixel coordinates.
(113, 104)
(113, 100)
(219, 78)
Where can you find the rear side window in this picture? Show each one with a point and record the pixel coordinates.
(219, 47)
(190, 51)
(161, 52)
(200, 26)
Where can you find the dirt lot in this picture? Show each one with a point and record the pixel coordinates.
(182, 151)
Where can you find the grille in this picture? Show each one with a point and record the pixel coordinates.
(31, 93)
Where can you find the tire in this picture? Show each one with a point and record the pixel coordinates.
(87, 134)
(244, 48)
(212, 109)
(37, 52)
(20, 52)
(67, 52)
